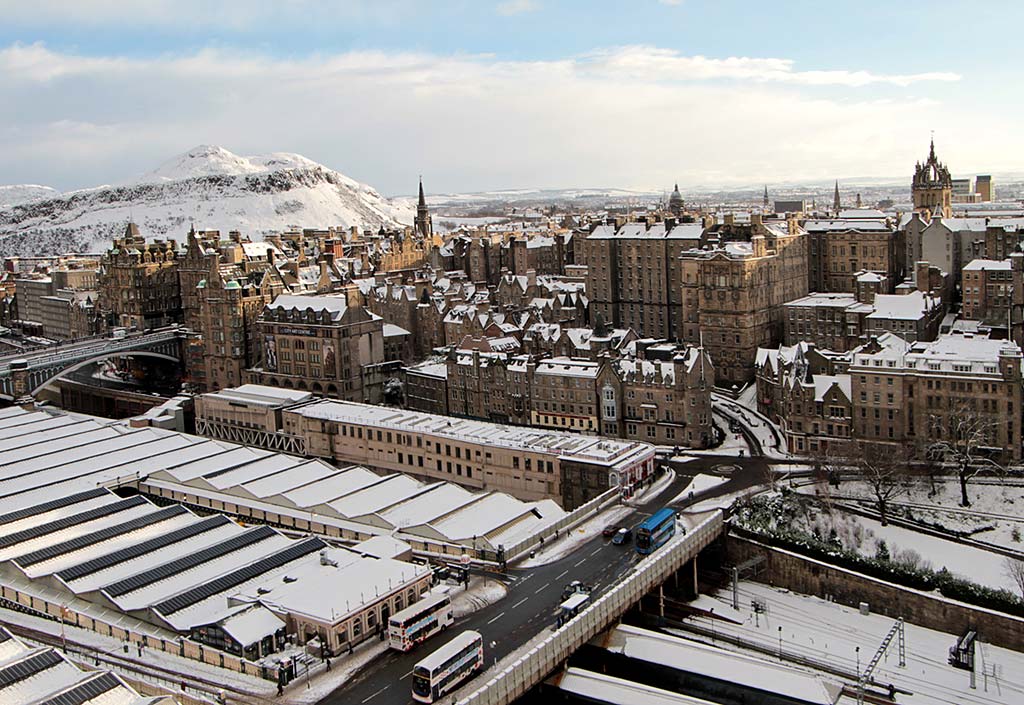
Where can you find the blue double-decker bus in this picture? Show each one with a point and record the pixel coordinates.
(654, 532)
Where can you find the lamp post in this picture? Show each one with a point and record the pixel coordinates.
(780, 642)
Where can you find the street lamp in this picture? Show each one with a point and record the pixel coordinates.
(780, 642)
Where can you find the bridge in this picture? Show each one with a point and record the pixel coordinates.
(519, 644)
(26, 374)
(520, 672)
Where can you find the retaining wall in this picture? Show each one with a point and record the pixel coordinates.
(812, 577)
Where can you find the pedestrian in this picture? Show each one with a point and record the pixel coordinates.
(280, 688)
(328, 664)
(350, 647)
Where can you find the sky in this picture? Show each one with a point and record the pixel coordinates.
(481, 95)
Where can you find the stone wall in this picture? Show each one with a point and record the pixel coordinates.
(812, 577)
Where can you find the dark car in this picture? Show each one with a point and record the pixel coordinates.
(622, 536)
(610, 530)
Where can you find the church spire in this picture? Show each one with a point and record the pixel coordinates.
(835, 199)
(423, 226)
(764, 200)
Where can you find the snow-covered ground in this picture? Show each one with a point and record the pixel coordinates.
(863, 535)
(651, 491)
(831, 633)
(996, 514)
(482, 591)
(698, 485)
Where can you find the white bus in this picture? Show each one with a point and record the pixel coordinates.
(419, 621)
(446, 668)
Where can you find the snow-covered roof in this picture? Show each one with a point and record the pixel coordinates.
(260, 395)
(252, 625)
(556, 443)
(383, 547)
(335, 305)
(712, 662)
(977, 265)
(906, 307)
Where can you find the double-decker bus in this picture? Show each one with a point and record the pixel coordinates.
(419, 621)
(654, 532)
(446, 668)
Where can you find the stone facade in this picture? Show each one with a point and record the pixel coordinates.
(739, 288)
(321, 344)
(138, 282)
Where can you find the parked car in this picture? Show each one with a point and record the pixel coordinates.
(622, 536)
(610, 530)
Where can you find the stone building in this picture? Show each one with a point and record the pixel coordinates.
(855, 242)
(527, 464)
(734, 292)
(634, 275)
(894, 393)
(917, 397)
(932, 187)
(987, 288)
(231, 300)
(138, 282)
(321, 344)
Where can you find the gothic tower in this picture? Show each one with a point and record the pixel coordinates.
(764, 200)
(932, 187)
(836, 205)
(423, 226)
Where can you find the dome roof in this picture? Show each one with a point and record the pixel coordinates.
(676, 197)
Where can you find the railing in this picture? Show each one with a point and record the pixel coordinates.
(519, 675)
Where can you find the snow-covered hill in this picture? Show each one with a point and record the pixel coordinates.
(23, 193)
(208, 186)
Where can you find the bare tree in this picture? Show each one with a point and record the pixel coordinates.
(1014, 569)
(885, 469)
(964, 437)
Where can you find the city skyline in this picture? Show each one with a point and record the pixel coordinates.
(498, 96)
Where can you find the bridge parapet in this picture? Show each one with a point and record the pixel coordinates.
(527, 670)
(30, 371)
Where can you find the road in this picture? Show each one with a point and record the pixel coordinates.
(534, 594)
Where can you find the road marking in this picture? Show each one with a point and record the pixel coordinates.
(513, 606)
(405, 676)
(495, 619)
(376, 694)
(562, 574)
(523, 580)
(578, 563)
(596, 551)
(541, 588)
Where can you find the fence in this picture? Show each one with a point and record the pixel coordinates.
(514, 679)
(566, 523)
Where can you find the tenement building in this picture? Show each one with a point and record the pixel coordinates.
(321, 344)
(890, 392)
(857, 241)
(138, 282)
(634, 277)
(657, 393)
(529, 464)
(734, 292)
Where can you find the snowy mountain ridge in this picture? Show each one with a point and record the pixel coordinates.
(208, 186)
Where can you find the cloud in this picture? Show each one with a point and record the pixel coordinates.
(630, 117)
(516, 7)
(646, 62)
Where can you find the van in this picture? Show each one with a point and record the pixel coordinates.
(622, 536)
